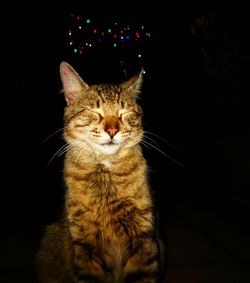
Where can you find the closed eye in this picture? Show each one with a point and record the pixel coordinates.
(122, 114)
(99, 113)
(130, 112)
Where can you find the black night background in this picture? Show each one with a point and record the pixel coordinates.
(196, 100)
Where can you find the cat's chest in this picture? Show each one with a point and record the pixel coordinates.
(106, 200)
(106, 164)
(106, 216)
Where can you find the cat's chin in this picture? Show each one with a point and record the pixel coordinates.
(107, 148)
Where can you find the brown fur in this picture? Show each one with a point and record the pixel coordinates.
(108, 229)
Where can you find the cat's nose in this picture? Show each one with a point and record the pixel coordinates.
(112, 132)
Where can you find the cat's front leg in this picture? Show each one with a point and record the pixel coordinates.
(86, 267)
(144, 264)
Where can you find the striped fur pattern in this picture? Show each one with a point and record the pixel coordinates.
(108, 232)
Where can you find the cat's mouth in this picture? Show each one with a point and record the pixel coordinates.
(110, 143)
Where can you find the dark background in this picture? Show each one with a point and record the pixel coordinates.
(195, 95)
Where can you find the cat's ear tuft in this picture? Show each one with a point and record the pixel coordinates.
(134, 84)
(72, 83)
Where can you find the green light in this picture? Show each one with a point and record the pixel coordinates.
(115, 45)
(109, 30)
(75, 50)
(88, 21)
(148, 34)
(142, 26)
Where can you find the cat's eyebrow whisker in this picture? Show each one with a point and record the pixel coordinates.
(167, 142)
(53, 134)
(162, 152)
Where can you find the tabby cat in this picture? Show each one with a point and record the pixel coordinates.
(108, 230)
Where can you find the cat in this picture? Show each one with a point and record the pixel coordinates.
(108, 232)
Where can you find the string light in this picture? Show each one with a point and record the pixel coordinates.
(87, 32)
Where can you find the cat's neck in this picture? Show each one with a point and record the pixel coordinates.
(90, 159)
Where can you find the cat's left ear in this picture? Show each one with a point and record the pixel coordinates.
(134, 84)
(73, 85)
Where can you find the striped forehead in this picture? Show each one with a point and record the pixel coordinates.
(108, 93)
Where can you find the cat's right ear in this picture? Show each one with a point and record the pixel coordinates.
(72, 83)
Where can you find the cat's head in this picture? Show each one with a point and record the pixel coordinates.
(104, 117)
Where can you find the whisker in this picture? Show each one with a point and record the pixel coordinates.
(65, 149)
(151, 140)
(162, 152)
(53, 134)
(167, 142)
(56, 154)
(143, 142)
(81, 149)
(79, 155)
(62, 150)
